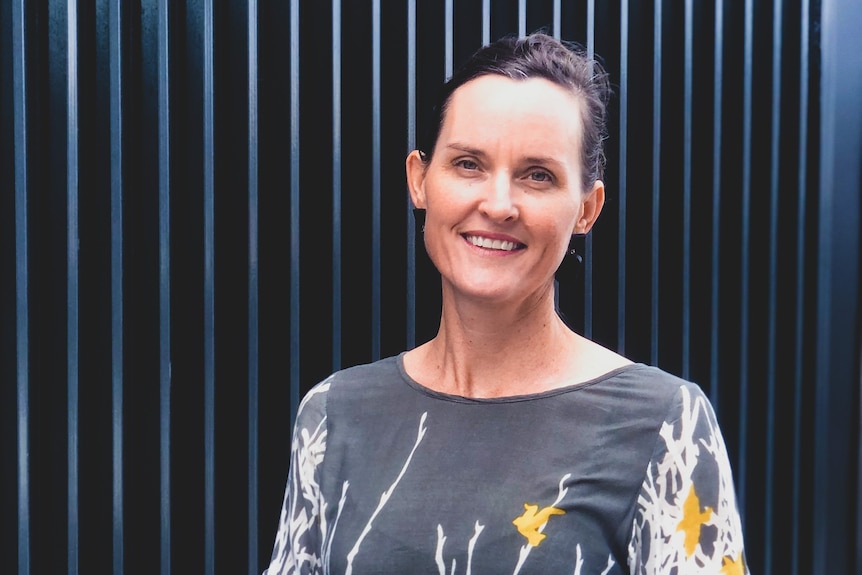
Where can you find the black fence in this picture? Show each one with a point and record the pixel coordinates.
(203, 213)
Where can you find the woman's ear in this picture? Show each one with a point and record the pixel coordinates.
(591, 207)
(415, 167)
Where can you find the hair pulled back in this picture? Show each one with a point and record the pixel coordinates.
(539, 56)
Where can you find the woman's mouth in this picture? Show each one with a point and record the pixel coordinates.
(494, 244)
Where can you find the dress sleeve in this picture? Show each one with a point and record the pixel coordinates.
(297, 548)
(687, 519)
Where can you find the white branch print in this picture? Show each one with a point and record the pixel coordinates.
(611, 563)
(438, 555)
(441, 541)
(327, 537)
(384, 498)
(477, 530)
(579, 561)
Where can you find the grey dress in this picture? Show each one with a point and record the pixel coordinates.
(626, 473)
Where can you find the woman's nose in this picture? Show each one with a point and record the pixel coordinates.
(497, 201)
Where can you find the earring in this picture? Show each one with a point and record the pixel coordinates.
(419, 216)
(573, 251)
(571, 269)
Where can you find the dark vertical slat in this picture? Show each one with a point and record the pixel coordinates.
(716, 200)
(522, 17)
(836, 401)
(744, 259)
(623, 175)
(22, 280)
(294, 209)
(115, 31)
(686, 194)
(72, 273)
(588, 240)
(802, 201)
(164, 289)
(375, 180)
(557, 18)
(209, 286)
(411, 145)
(448, 39)
(775, 147)
(656, 177)
(486, 22)
(253, 323)
(336, 185)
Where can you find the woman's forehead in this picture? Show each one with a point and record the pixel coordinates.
(534, 111)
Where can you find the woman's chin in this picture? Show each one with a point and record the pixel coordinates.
(493, 292)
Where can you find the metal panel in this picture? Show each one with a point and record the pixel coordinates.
(164, 235)
(209, 286)
(745, 230)
(685, 218)
(336, 185)
(294, 209)
(715, 319)
(799, 340)
(253, 284)
(656, 178)
(375, 180)
(72, 280)
(772, 328)
(117, 148)
(836, 425)
(22, 284)
(623, 176)
(410, 327)
(686, 182)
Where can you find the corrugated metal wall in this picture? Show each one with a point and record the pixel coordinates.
(203, 213)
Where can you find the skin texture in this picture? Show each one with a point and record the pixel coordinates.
(506, 167)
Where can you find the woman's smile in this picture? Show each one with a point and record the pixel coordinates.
(493, 242)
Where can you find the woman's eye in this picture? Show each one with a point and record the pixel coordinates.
(540, 176)
(467, 164)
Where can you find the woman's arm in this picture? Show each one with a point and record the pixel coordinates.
(686, 512)
(298, 543)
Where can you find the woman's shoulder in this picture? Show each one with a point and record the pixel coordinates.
(608, 365)
(358, 380)
(643, 390)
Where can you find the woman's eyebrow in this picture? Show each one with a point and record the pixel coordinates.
(466, 149)
(542, 160)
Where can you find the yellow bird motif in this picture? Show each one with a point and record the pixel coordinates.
(532, 520)
(692, 519)
(733, 567)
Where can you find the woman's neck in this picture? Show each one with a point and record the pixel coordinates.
(483, 350)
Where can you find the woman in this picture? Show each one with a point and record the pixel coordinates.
(508, 443)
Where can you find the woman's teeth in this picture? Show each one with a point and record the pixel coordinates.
(491, 244)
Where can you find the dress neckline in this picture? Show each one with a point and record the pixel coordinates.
(399, 362)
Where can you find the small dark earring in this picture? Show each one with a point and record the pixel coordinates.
(573, 250)
(419, 216)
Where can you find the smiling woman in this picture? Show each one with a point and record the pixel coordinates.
(509, 443)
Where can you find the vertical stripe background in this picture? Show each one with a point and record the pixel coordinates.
(155, 155)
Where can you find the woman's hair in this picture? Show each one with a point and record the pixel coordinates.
(539, 56)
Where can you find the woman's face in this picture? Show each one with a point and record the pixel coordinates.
(502, 191)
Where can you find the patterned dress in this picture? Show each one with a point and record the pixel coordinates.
(626, 473)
